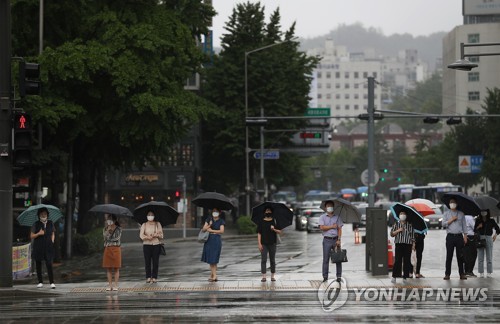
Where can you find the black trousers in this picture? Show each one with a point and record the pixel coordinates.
(454, 242)
(151, 257)
(419, 248)
(402, 259)
(50, 272)
(470, 255)
(271, 249)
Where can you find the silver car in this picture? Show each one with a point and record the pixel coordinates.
(313, 221)
(434, 220)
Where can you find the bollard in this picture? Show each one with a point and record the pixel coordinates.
(356, 237)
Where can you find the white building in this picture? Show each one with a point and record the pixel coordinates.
(461, 89)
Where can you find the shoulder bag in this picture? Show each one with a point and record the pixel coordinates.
(203, 236)
(278, 236)
(480, 243)
(162, 244)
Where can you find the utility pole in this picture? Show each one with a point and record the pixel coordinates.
(5, 147)
(370, 131)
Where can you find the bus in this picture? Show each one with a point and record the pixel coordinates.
(401, 193)
(434, 191)
(348, 194)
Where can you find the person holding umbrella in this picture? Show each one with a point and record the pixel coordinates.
(112, 258)
(267, 239)
(404, 239)
(484, 226)
(213, 246)
(43, 236)
(456, 237)
(331, 227)
(151, 233)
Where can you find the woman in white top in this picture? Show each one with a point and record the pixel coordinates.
(151, 234)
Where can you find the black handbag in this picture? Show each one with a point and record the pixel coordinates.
(162, 249)
(338, 255)
(480, 243)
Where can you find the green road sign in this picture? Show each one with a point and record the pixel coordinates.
(318, 112)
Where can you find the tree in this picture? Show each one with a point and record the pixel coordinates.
(113, 82)
(491, 140)
(278, 83)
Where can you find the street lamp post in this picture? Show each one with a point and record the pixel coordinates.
(247, 147)
(464, 64)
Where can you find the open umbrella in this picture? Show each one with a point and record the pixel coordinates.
(212, 200)
(465, 203)
(281, 213)
(164, 213)
(423, 206)
(487, 202)
(111, 209)
(343, 208)
(30, 215)
(412, 216)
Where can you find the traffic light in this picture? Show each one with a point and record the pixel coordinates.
(177, 194)
(29, 79)
(21, 142)
(384, 170)
(398, 179)
(310, 135)
(382, 179)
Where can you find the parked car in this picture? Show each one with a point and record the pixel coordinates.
(434, 220)
(362, 210)
(313, 221)
(303, 214)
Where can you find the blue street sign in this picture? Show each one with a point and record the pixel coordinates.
(475, 163)
(268, 155)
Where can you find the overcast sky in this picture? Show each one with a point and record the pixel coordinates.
(318, 17)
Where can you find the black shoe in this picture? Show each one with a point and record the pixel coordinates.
(339, 279)
(325, 279)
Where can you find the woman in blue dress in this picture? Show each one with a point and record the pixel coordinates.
(213, 246)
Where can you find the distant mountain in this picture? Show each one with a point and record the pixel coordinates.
(357, 38)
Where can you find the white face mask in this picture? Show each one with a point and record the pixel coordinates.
(215, 214)
(110, 222)
(151, 218)
(329, 209)
(453, 206)
(484, 214)
(43, 219)
(402, 217)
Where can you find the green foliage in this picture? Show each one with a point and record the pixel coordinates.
(245, 225)
(89, 243)
(278, 84)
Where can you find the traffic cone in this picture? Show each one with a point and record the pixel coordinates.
(390, 255)
(356, 236)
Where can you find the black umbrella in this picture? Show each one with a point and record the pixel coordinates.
(343, 208)
(213, 200)
(465, 203)
(412, 216)
(111, 209)
(165, 214)
(281, 213)
(487, 202)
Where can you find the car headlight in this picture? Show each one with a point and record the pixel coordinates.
(427, 220)
(303, 220)
(441, 219)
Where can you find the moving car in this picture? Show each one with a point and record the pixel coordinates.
(434, 220)
(302, 216)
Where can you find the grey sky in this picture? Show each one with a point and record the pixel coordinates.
(318, 17)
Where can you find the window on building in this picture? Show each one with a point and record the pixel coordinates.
(356, 107)
(356, 75)
(346, 86)
(181, 155)
(374, 74)
(328, 75)
(356, 96)
(473, 76)
(347, 107)
(365, 75)
(346, 96)
(365, 107)
(356, 86)
(337, 107)
(473, 38)
(328, 85)
(328, 96)
(319, 75)
(337, 85)
(319, 96)
(319, 85)
(365, 96)
(473, 95)
(337, 75)
(346, 75)
(337, 96)
(473, 59)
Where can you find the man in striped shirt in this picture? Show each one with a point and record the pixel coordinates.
(404, 239)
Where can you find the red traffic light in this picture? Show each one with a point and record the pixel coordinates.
(310, 135)
(22, 121)
(177, 194)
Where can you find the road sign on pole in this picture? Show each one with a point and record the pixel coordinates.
(268, 155)
(364, 177)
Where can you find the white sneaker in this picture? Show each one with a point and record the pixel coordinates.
(393, 280)
(481, 275)
(40, 285)
(489, 275)
(52, 286)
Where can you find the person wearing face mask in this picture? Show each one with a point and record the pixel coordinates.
(112, 259)
(456, 238)
(43, 236)
(404, 239)
(331, 227)
(151, 234)
(484, 226)
(213, 246)
(267, 239)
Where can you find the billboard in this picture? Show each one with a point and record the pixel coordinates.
(481, 7)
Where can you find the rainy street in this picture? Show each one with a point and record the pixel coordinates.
(184, 295)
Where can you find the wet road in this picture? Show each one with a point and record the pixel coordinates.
(299, 262)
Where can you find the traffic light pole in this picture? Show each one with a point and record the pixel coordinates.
(5, 159)
(371, 131)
